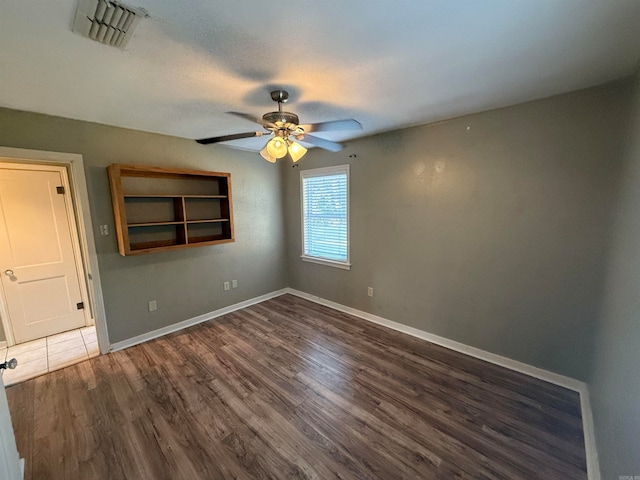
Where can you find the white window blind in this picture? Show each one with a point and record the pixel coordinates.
(325, 215)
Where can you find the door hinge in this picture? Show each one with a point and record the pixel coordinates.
(60, 190)
(80, 305)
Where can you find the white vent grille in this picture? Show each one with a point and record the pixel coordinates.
(106, 22)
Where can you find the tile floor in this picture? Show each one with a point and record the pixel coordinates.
(50, 353)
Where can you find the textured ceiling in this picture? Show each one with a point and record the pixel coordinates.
(385, 63)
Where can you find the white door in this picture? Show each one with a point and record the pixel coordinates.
(38, 270)
(10, 467)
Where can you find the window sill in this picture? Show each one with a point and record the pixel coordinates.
(329, 263)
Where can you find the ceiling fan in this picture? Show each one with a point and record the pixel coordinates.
(283, 125)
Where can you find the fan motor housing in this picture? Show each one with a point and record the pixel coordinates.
(281, 117)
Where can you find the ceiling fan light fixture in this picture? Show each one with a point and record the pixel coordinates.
(265, 154)
(285, 127)
(296, 151)
(277, 147)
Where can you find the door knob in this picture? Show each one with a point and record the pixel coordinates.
(13, 363)
(8, 273)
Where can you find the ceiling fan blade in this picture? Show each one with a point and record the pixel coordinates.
(253, 118)
(333, 126)
(321, 142)
(226, 138)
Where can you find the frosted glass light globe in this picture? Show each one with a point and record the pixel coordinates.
(277, 147)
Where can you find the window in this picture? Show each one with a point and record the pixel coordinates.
(325, 216)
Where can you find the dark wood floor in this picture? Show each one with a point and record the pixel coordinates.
(288, 389)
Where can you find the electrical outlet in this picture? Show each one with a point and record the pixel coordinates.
(104, 230)
(234, 283)
(153, 306)
(225, 285)
(370, 291)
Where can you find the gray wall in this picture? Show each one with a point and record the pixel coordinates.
(615, 385)
(188, 282)
(495, 237)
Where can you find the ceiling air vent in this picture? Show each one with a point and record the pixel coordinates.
(106, 22)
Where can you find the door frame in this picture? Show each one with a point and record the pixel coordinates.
(75, 243)
(74, 164)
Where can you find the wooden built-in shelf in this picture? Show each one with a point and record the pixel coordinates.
(158, 209)
(213, 220)
(152, 224)
(174, 196)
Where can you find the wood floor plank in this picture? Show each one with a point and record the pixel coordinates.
(289, 389)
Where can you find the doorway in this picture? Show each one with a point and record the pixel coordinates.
(50, 270)
(42, 278)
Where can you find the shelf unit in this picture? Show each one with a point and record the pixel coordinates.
(158, 209)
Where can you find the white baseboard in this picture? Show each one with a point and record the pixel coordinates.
(588, 430)
(145, 337)
(530, 370)
(593, 468)
(3, 344)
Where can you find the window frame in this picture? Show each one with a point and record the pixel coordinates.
(321, 172)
